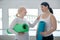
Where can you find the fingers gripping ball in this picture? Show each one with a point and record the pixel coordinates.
(41, 28)
(21, 28)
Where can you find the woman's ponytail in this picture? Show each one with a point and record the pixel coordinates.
(17, 15)
(50, 9)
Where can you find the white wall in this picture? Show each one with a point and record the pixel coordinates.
(27, 3)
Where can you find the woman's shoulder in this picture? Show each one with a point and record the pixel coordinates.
(16, 19)
(52, 17)
(20, 19)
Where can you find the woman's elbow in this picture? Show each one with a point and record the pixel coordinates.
(55, 28)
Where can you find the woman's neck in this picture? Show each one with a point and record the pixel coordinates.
(47, 12)
(21, 17)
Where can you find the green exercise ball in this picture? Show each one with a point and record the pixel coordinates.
(21, 28)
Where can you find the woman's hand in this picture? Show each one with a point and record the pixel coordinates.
(38, 17)
(43, 33)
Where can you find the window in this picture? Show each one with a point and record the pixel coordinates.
(0, 21)
(12, 14)
(31, 16)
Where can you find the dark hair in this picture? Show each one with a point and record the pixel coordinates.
(46, 4)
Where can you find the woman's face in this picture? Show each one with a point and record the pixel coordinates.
(22, 12)
(44, 8)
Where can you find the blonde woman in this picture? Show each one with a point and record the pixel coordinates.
(20, 19)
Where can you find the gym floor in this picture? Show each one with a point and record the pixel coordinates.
(6, 37)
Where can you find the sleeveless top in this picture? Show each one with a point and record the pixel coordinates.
(48, 24)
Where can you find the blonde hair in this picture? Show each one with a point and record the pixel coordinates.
(20, 9)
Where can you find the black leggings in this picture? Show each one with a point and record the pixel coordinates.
(48, 38)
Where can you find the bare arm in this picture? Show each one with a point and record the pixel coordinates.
(53, 27)
(53, 23)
